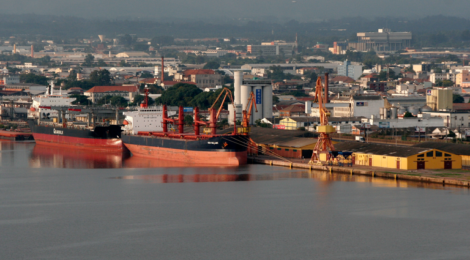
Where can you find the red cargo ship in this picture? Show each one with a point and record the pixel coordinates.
(202, 149)
(96, 138)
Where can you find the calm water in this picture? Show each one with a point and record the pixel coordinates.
(97, 206)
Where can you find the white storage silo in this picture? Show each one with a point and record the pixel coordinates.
(244, 95)
(237, 83)
(267, 101)
(258, 113)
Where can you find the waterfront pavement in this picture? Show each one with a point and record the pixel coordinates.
(457, 177)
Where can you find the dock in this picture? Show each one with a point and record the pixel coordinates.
(449, 177)
(16, 136)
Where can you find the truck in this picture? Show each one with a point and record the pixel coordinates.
(360, 139)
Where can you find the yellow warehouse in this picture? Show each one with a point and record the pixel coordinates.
(400, 157)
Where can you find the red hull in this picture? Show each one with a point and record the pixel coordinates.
(200, 158)
(77, 142)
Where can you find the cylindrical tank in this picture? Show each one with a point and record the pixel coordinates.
(426, 109)
(231, 113)
(393, 113)
(401, 110)
(413, 110)
(258, 112)
(267, 101)
(244, 95)
(237, 83)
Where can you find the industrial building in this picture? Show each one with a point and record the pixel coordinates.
(357, 106)
(460, 149)
(276, 48)
(384, 40)
(263, 92)
(439, 99)
(348, 69)
(400, 157)
(287, 144)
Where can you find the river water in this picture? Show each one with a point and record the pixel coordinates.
(66, 204)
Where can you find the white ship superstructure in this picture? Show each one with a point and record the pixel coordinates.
(144, 119)
(42, 104)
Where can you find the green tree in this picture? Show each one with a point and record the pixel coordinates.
(126, 40)
(408, 114)
(104, 100)
(118, 101)
(188, 119)
(101, 63)
(139, 99)
(123, 63)
(383, 75)
(297, 93)
(212, 65)
(72, 75)
(80, 99)
(32, 78)
(13, 70)
(162, 40)
(146, 74)
(88, 62)
(275, 99)
(444, 83)
(180, 94)
(100, 78)
(458, 98)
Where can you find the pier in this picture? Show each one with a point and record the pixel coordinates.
(445, 177)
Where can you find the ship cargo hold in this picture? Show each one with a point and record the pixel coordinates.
(224, 150)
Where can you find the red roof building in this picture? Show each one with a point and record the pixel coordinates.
(98, 92)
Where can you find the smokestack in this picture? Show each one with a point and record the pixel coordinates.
(14, 48)
(32, 51)
(163, 70)
(326, 88)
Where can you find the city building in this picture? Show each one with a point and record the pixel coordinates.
(463, 79)
(434, 77)
(275, 48)
(132, 54)
(384, 40)
(97, 92)
(204, 78)
(348, 69)
(364, 106)
(452, 119)
(439, 99)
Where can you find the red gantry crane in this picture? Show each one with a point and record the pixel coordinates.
(324, 144)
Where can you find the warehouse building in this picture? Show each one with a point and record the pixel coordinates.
(274, 142)
(460, 149)
(400, 157)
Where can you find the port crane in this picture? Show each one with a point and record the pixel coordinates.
(324, 144)
(247, 114)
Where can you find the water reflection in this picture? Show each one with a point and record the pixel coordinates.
(325, 178)
(44, 156)
(139, 162)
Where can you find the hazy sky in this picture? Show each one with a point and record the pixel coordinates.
(296, 9)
